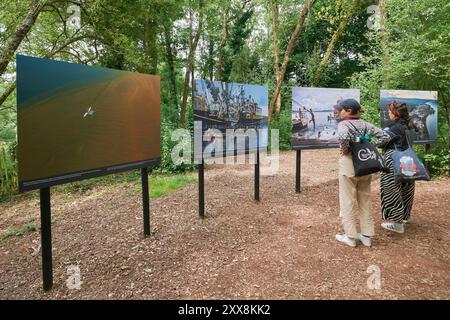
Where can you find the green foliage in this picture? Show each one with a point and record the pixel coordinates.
(284, 125)
(419, 50)
(369, 82)
(154, 36)
(416, 58)
(167, 145)
(8, 171)
(236, 50)
(243, 66)
(348, 54)
(439, 161)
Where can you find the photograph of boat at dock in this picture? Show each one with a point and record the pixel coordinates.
(240, 107)
(314, 123)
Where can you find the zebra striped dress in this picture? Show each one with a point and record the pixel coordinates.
(396, 198)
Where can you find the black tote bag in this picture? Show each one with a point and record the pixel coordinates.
(407, 165)
(365, 156)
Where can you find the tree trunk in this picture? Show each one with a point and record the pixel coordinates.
(189, 68)
(334, 39)
(7, 92)
(276, 49)
(336, 35)
(211, 59)
(384, 43)
(170, 63)
(290, 47)
(187, 78)
(145, 42)
(150, 44)
(16, 39)
(223, 43)
(153, 50)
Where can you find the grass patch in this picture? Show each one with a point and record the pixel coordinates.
(11, 231)
(18, 231)
(162, 185)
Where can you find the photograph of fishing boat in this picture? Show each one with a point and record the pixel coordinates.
(314, 123)
(223, 106)
(423, 109)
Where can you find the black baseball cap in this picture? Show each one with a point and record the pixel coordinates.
(348, 104)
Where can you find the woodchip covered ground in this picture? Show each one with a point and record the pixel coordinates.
(280, 248)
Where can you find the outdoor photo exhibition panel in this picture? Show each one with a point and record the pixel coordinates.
(422, 107)
(314, 122)
(233, 120)
(77, 122)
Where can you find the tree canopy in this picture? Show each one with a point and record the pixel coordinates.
(281, 44)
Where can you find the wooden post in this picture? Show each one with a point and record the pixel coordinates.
(46, 239)
(298, 171)
(145, 201)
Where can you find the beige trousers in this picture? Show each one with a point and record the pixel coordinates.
(354, 193)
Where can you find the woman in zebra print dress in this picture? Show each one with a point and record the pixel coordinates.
(396, 198)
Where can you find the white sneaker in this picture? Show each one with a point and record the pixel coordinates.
(394, 226)
(367, 241)
(346, 240)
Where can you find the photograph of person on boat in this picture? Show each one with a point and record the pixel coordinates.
(223, 106)
(314, 123)
(422, 107)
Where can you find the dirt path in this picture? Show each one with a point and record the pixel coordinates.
(281, 248)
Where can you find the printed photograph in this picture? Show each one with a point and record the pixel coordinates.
(223, 106)
(153, 188)
(74, 118)
(423, 109)
(314, 123)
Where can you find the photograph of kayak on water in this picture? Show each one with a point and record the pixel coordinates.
(314, 123)
(242, 108)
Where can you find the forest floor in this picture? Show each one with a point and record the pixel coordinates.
(280, 248)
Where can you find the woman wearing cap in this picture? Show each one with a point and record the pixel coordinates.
(396, 198)
(355, 191)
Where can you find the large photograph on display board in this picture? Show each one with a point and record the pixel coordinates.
(232, 108)
(314, 123)
(76, 121)
(422, 107)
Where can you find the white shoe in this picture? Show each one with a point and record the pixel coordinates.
(367, 241)
(346, 240)
(394, 226)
